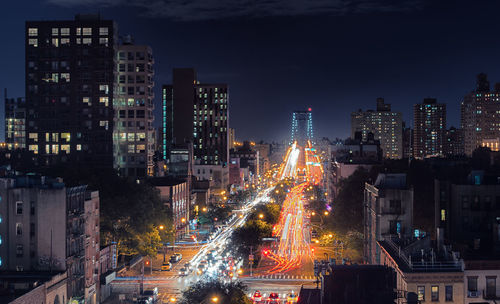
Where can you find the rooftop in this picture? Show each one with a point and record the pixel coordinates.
(391, 181)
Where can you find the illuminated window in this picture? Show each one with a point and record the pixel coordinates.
(131, 148)
(86, 100)
(32, 32)
(47, 136)
(55, 137)
(443, 215)
(78, 147)
(141, 148)
(33, 136)
(141, 136)
(33, 148)
(103, 41)
(123, 136)
(87, 41)
(55, 42)
(33, 42)
(103, 89)
(103, 123)
(421, 293)
(66, 137)
(65, 31)
(65, 148)
(47, 149)
(103, 31)
(55, 149)
(435, 293)
(65, 77)
(104, 100)
(55, 31)
(64, 41)
(87, 31)
(131, 136)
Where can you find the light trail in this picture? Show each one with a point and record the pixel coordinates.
(293, 243)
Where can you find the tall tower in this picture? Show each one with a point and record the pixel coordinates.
(386, 126)
(134, 134)
(429, 128)
(302, 128)
(480, 119)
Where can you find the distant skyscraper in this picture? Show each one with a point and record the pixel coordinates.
(385, 125)
(480, 115)
(196, 113)
(429, 128)
(453, 142)
(70, 77)
(302, 128)
(134, 141)
(15, 122)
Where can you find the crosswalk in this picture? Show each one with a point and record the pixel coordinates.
(281, 277)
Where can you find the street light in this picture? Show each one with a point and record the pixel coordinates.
(261, 216)
(215, 299)
(173, 299)
(326, 212)
(161, 227)
(313, 213)
(183, 220)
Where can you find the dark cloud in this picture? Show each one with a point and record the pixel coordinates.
(186, 10)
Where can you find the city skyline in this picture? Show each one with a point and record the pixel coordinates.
(370, 57)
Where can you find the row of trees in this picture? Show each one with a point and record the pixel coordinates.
(259, 225)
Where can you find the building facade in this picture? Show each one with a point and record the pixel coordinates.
(388, 212)
(480, 115)
(429, 129)
(453, 142)
(134, 141)
(15, 123)
(70, 77)
(386, 126)
(30, 242)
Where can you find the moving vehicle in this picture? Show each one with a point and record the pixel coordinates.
(166, 266)
(176, 257)
(183, 271)
(274, 298)
(257, 297)
(151, 293)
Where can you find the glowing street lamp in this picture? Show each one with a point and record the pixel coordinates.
(215, 299)
(330, 235)
(261, 216)
(204, 209)
(183, 220)
(173, 300)
(313, 213)
(161, 227)
(326, 212)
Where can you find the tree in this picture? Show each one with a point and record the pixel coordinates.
(348, 205)
(203, 292)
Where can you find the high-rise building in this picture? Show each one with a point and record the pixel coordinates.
(15, 122)
(386, 126)
(453, 142)
(480, 115)
(302, 128)
(133, 137)
(196, 113)
(70, 78)
(177, 111)
(429, 129)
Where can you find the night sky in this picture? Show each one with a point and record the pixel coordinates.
(334, 56)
